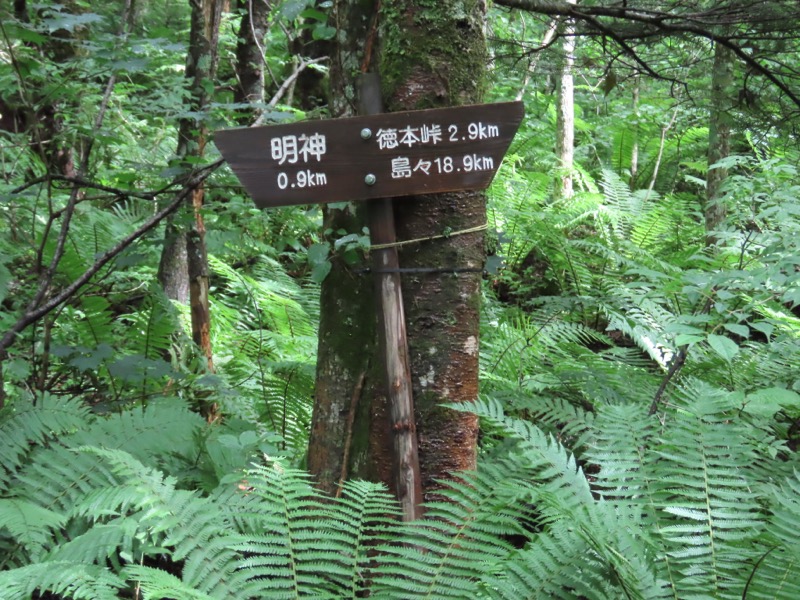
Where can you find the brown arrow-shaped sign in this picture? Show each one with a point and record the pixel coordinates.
(379, 156)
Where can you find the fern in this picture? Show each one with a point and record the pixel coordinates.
(571, 520)
(315, 548)
(155, 584)
(23, 426)
(58, 477)
(29, 524)
(106, 540)
(446, 554)
(640, 527)
(774, 574)
(73, 580)
(694, 479)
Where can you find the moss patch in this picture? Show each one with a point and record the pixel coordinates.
(433, 53)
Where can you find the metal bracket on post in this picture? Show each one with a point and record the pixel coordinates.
(392, 330)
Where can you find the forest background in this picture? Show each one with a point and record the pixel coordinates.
(638, 393)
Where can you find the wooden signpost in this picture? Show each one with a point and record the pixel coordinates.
(377, 157)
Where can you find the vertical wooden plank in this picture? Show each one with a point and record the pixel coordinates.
(392, 333)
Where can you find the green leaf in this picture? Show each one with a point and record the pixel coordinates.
(312, 13)
(320, 271)
(684, 339)
(493, 264)
(764, 327)
(136, 368)
(683, 328)
(723, 346)
(292, 9)
(155, 583)
(323, 32)
(740, 330)
(27, 35)
(318, 253)
(348, 239)
(318, 260)
(767, 402)
(71, 22)
(92, 358)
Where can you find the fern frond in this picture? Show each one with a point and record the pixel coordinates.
(24, 426)
(100, 542)
(545, 460)
(29, 524)
(154, 323)
(302, 545)
(73, 580)
(362, 513)
(776, 572)
(155, 584)
(619, 450)
(571, 425)
(550, 566)
(715, 514)
(163, 432)
(58, 477)
(615, 562)
(445, 554)
(590, 556)
(180, 520)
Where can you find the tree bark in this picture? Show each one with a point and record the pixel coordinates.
(565, 112)
(250, 56)
(431, 55)
(719, 140)
(434, 55)
(173, 268)
(349, 401)
(176, 275)
(43, 117)
(634, 171)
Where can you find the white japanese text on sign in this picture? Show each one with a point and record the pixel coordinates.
(305, 149)
(431, 135)
(292, 149)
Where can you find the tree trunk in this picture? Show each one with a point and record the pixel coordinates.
(173, 268)
(250, 56)
(719, 139)
(435, 55)
(634, 171)
(432, 55)
(189, 241)
(43, 117)
(349, 402)
(565, 112)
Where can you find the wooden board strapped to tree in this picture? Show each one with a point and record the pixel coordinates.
(376, 157)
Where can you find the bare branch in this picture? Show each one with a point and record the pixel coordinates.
(287, 84)
(36, 311)
(715, 25)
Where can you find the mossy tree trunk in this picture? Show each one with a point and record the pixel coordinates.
(349, 391)
(719, 139)
(432, 54)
